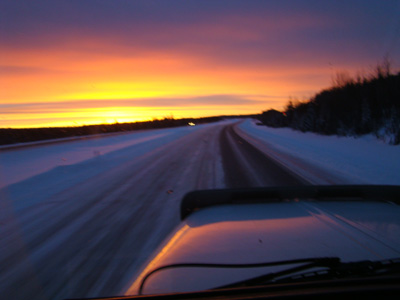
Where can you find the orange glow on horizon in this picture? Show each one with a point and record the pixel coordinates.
(112, 115)
(70, 63)
(69, 81)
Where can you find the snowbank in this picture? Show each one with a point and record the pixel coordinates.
(364, 160)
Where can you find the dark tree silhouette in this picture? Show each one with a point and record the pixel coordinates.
(351, 107)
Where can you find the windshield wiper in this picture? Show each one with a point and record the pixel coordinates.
(351, 269)
(307, 263)
(334, 269)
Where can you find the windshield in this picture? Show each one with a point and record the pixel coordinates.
(112, 111)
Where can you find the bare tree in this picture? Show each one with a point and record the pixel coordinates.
(341, 79)
(383, 69)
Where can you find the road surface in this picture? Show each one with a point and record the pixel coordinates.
(89, 239)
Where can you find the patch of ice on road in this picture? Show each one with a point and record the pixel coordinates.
(364, 160)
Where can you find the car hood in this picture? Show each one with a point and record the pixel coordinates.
(269, 232)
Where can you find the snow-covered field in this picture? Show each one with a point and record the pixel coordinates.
(329, 159)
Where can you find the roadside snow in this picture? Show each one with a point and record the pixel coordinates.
(346, 160)
(364, 160)
(22, 163)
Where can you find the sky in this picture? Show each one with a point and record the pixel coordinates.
(75, 62)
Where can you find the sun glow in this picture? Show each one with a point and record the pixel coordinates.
(57, 96)
(79, 85)
(72, 63)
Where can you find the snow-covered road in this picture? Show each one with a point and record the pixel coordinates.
(77, 219)
(82, 229)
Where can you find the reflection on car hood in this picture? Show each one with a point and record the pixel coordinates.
(256, 233)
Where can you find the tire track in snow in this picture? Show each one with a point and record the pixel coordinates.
(246, 166)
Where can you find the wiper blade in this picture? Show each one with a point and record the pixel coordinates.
(349, 270)
(328, 262)
(307, 264)
(334, 269)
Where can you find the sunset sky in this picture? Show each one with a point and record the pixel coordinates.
(76, 62)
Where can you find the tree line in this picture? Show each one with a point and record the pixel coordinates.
(351, 107)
